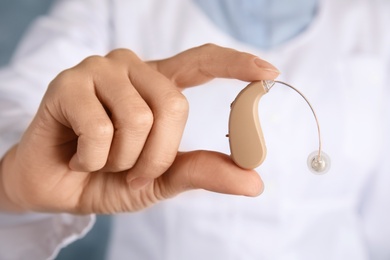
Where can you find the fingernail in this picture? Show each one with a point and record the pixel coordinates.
(140, 182)
(264, 65)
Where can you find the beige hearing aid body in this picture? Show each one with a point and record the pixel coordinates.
(247, 145)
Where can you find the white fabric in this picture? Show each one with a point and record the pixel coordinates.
(341, 63)
(39, 236)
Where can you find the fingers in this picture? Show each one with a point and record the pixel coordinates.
(139, 113)
(201, 64)
(110, 118)
(210, 171)
(131, 117)
(125, 114)
(94, 129)
(170, 111)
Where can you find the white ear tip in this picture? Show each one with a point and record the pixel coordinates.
(319, 165)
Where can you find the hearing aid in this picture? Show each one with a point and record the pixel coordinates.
(246, 140)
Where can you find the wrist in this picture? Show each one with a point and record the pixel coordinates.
(6, 167)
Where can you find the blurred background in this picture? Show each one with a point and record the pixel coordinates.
(15, 18)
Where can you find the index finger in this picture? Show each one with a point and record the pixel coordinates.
(201, 64)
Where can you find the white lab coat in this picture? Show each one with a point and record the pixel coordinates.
(341, 63)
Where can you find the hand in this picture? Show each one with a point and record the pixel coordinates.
(105, 138)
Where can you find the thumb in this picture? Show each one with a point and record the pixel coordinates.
(201, 64)
(208, 170)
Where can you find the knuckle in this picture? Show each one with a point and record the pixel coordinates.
(142, 118)
(96, 130)
(101, 128)
(81, 72)
(205, 56)
(65, 74)
(64, 77)
(208, 47)
(65, 83)
(94, 64)
(121, 52)
(206, 51)
(176, 104)
(93, 60)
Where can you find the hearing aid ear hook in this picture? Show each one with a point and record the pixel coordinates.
(246, 138)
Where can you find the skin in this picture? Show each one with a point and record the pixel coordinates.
(105, 138)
